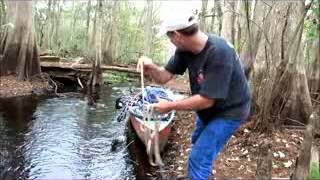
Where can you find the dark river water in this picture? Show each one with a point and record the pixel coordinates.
(63, 138)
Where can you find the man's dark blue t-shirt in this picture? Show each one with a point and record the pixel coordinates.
(216, 73)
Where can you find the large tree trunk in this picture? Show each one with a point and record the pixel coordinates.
(111, 49)
(96, 74)
(270, 52)
(288, 98)
(11, 12)
(256, 25)
(21, 53)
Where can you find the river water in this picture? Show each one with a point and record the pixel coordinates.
(63, 138)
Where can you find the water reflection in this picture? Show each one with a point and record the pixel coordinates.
(19, 111)
(61, 138)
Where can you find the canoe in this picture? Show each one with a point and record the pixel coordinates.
(133, 105)
(165, 128)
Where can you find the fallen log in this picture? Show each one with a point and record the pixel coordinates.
(66, 74)
(50, 58)
(86, 67)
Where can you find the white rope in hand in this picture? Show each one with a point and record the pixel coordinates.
(149, 136)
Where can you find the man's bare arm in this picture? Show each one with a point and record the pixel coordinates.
(195, 103)
(160, 74)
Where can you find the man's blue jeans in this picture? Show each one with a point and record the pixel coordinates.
(207, 141)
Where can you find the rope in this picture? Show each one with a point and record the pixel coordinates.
(148, 134)
(142, 94)
(142, 83)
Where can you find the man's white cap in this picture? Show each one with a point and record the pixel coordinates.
(176, 23)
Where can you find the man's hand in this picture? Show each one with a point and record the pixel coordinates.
(145, 63)
(159, 74)
(163, 106)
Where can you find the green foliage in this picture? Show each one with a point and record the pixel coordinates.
(131, 33)
(72, 38)
(117, 77)
(311, 23)
(314, 172)
(310, 28)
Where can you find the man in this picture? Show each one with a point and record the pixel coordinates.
(220, 92)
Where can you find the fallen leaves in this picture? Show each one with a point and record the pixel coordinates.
(239, 158)
(287, 164)
(10, 86)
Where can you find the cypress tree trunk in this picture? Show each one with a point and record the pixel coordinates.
(287, 98)
(21, 56)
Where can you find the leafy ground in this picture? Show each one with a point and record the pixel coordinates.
(10, 86)
(239, 157)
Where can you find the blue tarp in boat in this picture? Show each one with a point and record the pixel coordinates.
(151, 95)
